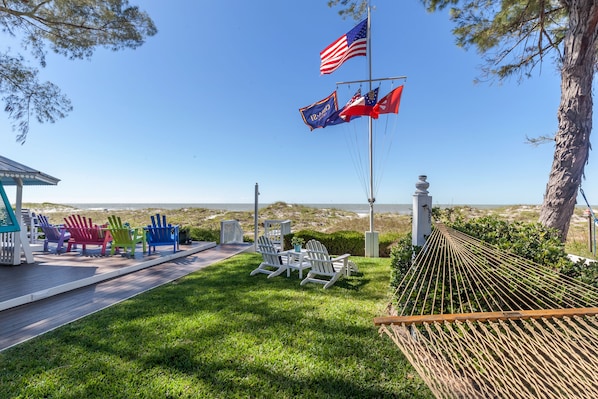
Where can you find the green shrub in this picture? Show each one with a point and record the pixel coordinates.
(528, 240)
(198, 234)
(582, 271)
(343, 242)
(387, 241)
(531, 241)
(402, 254)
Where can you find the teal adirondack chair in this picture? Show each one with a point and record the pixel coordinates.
(160, 234)
(124, 236)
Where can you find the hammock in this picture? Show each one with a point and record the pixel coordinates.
(479, 323)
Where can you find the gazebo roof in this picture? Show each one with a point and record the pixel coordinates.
(9, 170)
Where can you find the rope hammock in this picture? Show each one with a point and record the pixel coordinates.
(479, 323)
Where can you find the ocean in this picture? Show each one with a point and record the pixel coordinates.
(404, 209)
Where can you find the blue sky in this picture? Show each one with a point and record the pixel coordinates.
(209, 106)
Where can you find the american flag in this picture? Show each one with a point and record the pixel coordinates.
(349, 45)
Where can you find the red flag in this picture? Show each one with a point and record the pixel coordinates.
(349, 45)
(389, 104)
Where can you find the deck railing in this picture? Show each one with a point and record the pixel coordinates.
(275, 230)
(230, 232)
(7, 248)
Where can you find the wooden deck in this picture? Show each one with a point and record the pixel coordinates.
(58, 289)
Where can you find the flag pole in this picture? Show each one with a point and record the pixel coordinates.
(371, 237)
(371, 199)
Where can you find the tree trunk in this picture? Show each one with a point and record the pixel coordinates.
(574, 116)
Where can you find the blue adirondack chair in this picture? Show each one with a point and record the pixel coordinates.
(54, 234)
(161, 234)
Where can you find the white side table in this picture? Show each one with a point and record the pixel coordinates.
(297, 261)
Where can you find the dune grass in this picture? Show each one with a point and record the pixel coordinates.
(322, 220)
(220, 333)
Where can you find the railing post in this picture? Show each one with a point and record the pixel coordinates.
(422, 212)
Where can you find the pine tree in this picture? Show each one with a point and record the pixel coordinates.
(73, 28)
(514, 37)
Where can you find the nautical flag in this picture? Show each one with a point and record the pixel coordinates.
(335, 118)
(349, 45)
(389, 104)
(361, 107)
(315, 115)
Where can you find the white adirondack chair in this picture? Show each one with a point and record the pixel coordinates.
(324, 268)
(30, 225)
(274, 263)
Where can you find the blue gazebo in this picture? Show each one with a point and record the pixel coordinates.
(13, 237)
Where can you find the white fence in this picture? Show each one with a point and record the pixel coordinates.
(275, 230)
(230, 232)
(7, 248)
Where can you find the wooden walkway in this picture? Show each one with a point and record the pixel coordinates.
(59, 289)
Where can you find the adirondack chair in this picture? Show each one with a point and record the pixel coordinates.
(324, 268)
(30, 224)
(274, 262)
(161, 234)
(84, 232)
(54, 234)
(124, 236)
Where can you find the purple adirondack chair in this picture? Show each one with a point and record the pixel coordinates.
(54, 234)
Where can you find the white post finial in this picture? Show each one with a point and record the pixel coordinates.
(422, 212)
(422, 185)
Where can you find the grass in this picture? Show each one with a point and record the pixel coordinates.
(220, 333)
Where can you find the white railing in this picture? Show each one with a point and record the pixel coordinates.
(230, 232)
(7, 248)
(275, 230)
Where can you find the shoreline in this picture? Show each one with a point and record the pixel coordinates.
(360, 209)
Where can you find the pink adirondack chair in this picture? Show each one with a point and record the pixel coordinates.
(54, 234)
(84, 232)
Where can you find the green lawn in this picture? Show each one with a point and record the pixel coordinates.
(220, 333)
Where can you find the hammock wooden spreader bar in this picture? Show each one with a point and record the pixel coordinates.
(476, 322)
(486, 316)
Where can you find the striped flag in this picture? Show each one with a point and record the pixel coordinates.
(362, 106)
(335, 117)
(349, 45)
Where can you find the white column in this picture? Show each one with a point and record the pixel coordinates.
(21, 241)
(422, 212)
(372, 246)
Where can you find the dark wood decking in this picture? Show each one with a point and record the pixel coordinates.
(59, 289)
